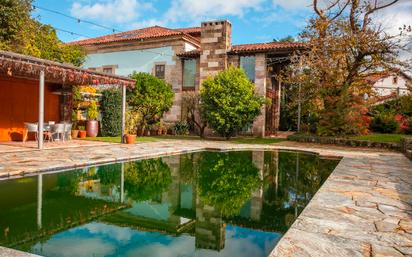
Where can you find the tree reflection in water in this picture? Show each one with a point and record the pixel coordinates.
(146, 179)
(226, 180)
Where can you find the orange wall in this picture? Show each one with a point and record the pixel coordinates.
(19, 103)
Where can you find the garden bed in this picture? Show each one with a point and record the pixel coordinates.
(345, 141)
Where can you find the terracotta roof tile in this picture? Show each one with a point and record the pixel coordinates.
(190, 54)
(192, 30)
(251, 48)
(264, 47)
(145, 33)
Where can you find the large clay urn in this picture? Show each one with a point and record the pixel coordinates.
(92, 128)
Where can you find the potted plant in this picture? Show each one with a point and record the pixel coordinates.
(92, 125)
(82, 132)
(75, 130)
(132, 119)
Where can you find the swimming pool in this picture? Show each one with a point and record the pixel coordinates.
(235, 203)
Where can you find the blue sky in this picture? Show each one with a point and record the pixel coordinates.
(252, 20)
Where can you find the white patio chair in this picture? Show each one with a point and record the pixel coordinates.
(57, 129)
(67, 131)
(30, 128)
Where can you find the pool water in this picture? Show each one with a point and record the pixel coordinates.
(195, 204)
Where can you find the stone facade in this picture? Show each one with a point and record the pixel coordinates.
(215, 41)
(258, 128)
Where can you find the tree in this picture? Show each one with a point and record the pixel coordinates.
(151, 97)
(195, 113)
(288, 38)
(111, 110)
(21, 33)
(229, 101)
(344, 45)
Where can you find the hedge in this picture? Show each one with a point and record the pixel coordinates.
(111, 111)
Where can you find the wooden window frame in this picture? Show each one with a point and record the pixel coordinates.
(156, 71)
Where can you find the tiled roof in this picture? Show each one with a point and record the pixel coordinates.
(145, 33)
(265, 47)
(192, 30)
(375, 77)
(251, 48)
(190, 54)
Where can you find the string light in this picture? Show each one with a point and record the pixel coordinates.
(78, 20)
(75, 18)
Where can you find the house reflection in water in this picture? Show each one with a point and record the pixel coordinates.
(232, 203)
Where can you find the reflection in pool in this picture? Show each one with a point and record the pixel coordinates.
(197, 204)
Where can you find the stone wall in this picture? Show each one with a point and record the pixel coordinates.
(344, 141)
(406, 147)
(173, 64)
(215, 42)
(258, 128)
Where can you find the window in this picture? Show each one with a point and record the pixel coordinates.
(160, 71)
(247, 63)
(189, 73)
(108, 70)
(395, 80)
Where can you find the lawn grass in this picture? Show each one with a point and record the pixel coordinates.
(237, 140)
(376, 137)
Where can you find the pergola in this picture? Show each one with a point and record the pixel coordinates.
(27, 67)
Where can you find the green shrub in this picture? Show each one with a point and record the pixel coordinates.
(111, 110)
(229, 101)
(408, 130)
(384, 123)
(181, 128)
(401, 105)
(151, 97)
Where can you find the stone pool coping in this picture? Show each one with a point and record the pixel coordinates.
(363, 209)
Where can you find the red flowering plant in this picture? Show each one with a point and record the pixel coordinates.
(402, 121)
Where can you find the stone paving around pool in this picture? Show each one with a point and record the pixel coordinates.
(363, 209)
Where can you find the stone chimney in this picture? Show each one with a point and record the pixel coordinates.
(215, 41)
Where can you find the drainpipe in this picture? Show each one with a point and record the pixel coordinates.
(41, 112)
(123, 112)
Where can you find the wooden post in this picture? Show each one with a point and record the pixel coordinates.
(123, 112)
(41, 112)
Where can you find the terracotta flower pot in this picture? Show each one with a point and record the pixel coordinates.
(82, 134)
(92, 127)
(130, 139)
(75, 133)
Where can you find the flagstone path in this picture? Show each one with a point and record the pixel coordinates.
(363, 209)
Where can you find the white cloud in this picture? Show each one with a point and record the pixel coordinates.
(395, 16)
(195, 10)
(117, 11)
(147, 23)
(293, 4)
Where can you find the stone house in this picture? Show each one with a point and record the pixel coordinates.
(185, 57)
